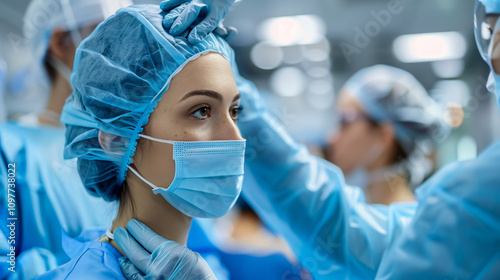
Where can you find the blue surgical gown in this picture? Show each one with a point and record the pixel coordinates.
(336, 235)
(234, 265)
(50, 197)
(455, 233)
(90, 259)
(87, 253)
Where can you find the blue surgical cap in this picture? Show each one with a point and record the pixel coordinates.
(392, 95)
(121, 71)
(491, 6)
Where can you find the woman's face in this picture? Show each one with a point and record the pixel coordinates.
(354, 144)
(201, 104)
(495, 55)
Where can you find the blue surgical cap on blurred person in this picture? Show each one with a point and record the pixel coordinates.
(393, 95)
(491, 6)
(121, 71)
(42, 17)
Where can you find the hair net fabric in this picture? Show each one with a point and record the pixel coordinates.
(121, 71)
(389, 94)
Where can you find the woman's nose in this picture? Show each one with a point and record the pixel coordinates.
(228, 130)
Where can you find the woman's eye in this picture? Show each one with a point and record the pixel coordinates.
(202, 113)
(235, 112)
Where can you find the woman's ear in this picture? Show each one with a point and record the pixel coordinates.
(109, 142)
(387, 135)
(61, 47)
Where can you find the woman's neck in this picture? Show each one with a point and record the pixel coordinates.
(389, 191)
(60, 90)
(152, 210)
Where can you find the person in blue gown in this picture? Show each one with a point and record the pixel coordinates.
(50, 198)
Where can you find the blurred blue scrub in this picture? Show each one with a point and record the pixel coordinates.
(233, 265)
(335, 234)
(50, 198)
(3, 70)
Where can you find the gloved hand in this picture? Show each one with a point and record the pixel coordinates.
(150, 256)
(207, 15)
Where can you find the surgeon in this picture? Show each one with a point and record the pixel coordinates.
(453, 233)
(52, 203)
(388, 127)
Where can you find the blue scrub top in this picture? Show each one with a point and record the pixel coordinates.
(89, 259)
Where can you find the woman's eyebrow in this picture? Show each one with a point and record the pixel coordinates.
(236, 97)
(205, 92)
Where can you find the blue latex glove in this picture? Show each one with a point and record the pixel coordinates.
(207, 15)
(150, 256)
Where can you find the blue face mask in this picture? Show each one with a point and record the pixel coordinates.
(208, 176)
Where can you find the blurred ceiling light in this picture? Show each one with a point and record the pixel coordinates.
(293, 54)
(448, 69)
(320, 93)
(266, 55)
(316, 55)
(318, 72)
(323, 44)
(288, 81)
(296, 30)
(320, 87)
(430, 47)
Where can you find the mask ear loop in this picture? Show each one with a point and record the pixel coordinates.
(137, 173)
(143, 179)
(156, 139)
(109, 234)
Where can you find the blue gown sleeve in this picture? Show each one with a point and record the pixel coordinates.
(456, 231)
(328, 225)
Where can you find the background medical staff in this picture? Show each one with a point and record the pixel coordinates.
(387, 121)
(51, 201)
